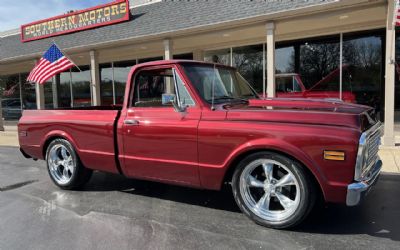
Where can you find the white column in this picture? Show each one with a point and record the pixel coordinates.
(198, 55)
(388, 138)
(168, 50)
(270, 27)
(95, 74)
(168, 55)
(39, 89)
(1, 117)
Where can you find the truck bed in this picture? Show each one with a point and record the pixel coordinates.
(91, 130)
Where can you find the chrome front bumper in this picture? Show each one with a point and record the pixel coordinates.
(358, 190)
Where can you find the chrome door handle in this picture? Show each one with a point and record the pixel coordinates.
(131, 122)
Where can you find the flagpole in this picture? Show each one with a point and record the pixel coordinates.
(65, 54)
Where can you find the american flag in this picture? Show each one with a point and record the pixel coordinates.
(397, 13)
(52, 63)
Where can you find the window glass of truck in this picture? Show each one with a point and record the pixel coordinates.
(150, 85)
(224, 83)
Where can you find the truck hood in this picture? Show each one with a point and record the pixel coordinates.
(290, 110)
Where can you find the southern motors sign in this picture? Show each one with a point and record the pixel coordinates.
(106, 14)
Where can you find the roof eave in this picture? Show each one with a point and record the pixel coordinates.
(321, 7)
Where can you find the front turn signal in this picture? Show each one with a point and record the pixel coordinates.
(334, 155)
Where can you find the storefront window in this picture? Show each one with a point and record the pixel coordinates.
(28, 93)
(188, 56)
(249, 62)
(143, 60)
(81, 86)
(65, 91)
(362, 68)
(48, 94)
(10, 97)
(106, 81)
(285, 60)
(222, 56)
(9, 87)
(121, 72)
(319, 59)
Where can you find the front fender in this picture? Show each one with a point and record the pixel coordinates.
(212, 176)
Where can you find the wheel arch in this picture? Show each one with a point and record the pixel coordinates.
(53, 136)
(317, 180)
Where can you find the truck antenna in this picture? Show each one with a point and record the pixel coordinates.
(213, 89)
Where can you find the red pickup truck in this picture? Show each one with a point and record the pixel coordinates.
(201, 125)
(291, 86)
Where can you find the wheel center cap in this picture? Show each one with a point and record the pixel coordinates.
(270, 188)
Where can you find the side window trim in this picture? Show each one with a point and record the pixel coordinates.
(177, 89)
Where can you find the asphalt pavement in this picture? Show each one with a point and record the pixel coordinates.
(113, 212)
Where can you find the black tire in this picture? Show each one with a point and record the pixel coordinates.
(79, 177)
(307, 191)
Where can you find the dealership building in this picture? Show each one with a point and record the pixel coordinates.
(346, 46)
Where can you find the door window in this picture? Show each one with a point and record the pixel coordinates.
(151, 85)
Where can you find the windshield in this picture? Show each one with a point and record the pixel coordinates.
(226, 84)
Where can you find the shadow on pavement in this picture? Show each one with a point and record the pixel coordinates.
(222, 200)
(378, 216)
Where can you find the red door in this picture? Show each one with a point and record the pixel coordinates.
(160, 143)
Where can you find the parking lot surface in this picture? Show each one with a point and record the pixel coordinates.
(113, 212)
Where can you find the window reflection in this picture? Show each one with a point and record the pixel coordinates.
(64, 95)
(48, 94)
(143, 60)
(121, 72)
(10, 97)
(317, 60)
(362, 60)
(81, 86)
(106, 84)
(285, 60)
(28, 93)
(249, 62)
(222, 56)
(188, 56)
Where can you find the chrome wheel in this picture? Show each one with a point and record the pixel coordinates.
(269, 190)
(61, 164)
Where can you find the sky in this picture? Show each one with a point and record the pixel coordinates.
(14, 13)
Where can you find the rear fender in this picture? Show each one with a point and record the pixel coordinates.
(56, 134)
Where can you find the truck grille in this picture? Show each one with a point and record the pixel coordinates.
(373, 142)
(368, 151)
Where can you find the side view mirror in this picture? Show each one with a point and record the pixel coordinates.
(171, 99)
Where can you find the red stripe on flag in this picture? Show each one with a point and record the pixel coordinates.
(43, 70)
(60, 65)
(38, 65)
(40, 70)
(35, 68)
(48, 67)
(62, 69)
(52, 66)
